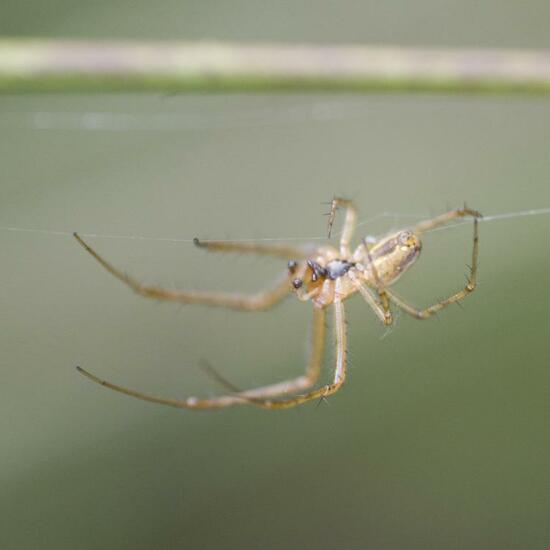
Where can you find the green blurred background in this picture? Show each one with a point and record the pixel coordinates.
(440, 438)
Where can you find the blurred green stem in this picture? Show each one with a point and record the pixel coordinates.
(68, 66)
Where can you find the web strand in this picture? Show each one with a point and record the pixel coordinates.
(395, 216)
(498, 217)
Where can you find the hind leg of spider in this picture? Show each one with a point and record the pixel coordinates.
(294, 385)
(239, 398)
(454, 298)
(279, 251)
(253, 302)
(339, 370)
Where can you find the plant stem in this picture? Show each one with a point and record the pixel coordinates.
(70, 66)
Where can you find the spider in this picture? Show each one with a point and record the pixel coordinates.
(325, 276)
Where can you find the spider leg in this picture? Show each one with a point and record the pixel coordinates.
(254, 302)
(380, 287)
(189, 403)
(428, 225)
(349, 223)
(313, 368)
(245, 397)
(380, 307)
(339, 369)
(279, 251)
(454, 298)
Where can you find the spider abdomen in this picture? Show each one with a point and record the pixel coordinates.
(390, 257)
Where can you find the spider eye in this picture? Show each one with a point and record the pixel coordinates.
(292, 265)
(297, 283)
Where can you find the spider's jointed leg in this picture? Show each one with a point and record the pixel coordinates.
(254, 302)
(349, 223)
(438, 221)
(383, 303)
(471, 282)
(313, 368)
(277, 250)
(255, 396)
(381, 308)
(339, 369)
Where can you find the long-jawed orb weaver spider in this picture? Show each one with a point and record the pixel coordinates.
(326, 276)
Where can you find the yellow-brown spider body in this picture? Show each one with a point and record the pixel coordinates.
(326, 277)
(389, 258)
(382, 264)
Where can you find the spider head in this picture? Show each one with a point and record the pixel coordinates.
(308, 277)
(297, 283)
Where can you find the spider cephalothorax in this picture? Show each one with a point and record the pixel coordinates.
(326, 276)
(382, 264)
